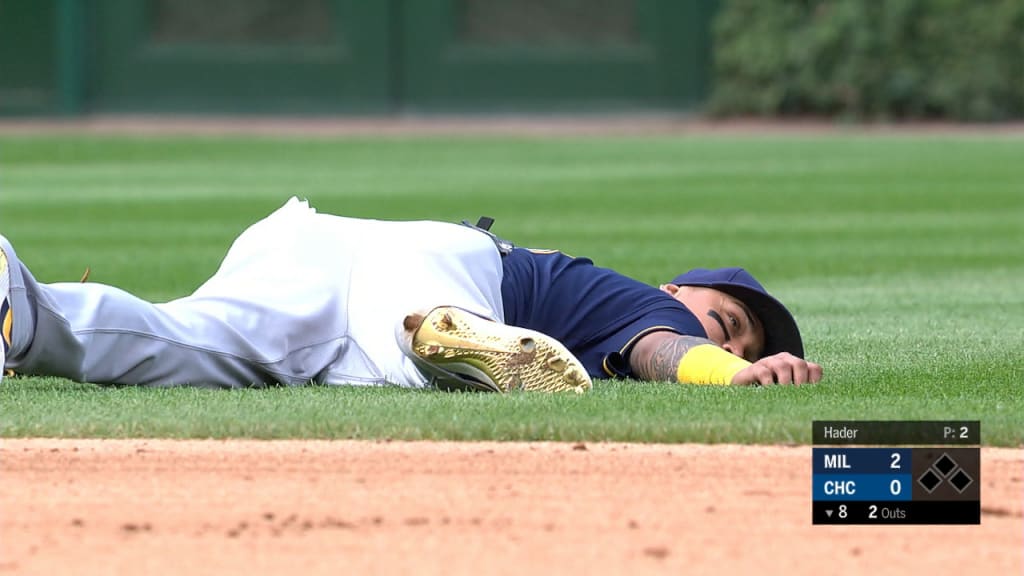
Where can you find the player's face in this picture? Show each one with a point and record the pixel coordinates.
(727, 321)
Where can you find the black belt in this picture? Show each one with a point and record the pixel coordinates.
(484, 225)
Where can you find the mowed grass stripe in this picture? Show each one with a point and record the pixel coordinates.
(902, 258)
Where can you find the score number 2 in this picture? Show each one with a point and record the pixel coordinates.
(895, 487)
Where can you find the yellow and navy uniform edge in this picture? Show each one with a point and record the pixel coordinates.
(623, 353)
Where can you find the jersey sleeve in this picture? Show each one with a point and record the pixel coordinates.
(615, 348)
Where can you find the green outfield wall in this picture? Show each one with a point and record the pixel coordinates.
(72, 57)
(28, 57)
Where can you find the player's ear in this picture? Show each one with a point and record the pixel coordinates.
(670, 289)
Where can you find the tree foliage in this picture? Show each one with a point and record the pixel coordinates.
(892, 59)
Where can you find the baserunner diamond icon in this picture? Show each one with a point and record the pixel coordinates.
(944, 465)
(961, 480)
(929, 480)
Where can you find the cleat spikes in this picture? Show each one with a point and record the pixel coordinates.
(527, 345)
(557, 364)
(477, 353)
(412, 322)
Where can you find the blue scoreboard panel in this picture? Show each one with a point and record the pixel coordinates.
(896, 472)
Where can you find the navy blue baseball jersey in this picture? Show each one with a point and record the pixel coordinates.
(597, 313)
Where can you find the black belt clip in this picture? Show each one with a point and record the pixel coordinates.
(484, 225)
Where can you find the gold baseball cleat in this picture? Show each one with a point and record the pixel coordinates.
(494, 356)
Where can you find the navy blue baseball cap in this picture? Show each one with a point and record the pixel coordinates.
(780, 330)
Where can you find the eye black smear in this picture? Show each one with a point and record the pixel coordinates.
(718, 319)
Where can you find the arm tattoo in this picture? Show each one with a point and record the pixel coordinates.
(663, 361)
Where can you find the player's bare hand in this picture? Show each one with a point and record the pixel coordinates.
(781, 368)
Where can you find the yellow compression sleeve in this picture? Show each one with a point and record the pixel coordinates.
(709, 364)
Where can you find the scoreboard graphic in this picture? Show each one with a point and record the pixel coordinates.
(896, 472)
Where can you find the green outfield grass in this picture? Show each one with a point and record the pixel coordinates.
(902, 258)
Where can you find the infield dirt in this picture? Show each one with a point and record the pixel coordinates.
(349, 507)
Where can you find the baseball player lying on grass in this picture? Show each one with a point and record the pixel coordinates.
(305, 297)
